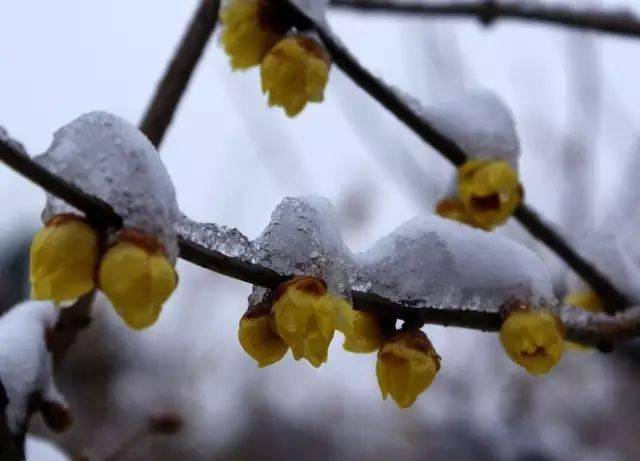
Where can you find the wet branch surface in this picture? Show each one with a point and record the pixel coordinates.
(621, 23)
(598, 329)
(397, 104)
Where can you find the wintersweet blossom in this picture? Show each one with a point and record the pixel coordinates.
(295, 72)
(407, 365)
(137, 277)
(305, 318)
(533, 338)
(64, 256)
(250, 29)
(258, 338)
(488, 192)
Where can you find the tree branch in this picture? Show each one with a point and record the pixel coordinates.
(596, 330)
(621, 22)
(169, 91)
(395, 103)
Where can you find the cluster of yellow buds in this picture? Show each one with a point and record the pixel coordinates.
(488, 192)
(302, 315)
(533, 338)
(294, 67)
(68, 260)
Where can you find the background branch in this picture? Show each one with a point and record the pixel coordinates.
(398, 104)
(173, 84)
(615, 22)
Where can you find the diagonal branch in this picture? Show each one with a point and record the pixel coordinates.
(397, 104)
(173, 84)
(592, 329)
(621, 22)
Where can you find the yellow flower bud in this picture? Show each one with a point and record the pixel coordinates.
(366, 335)
(137, 278)
(305, 318)
(295, 72)
(250, 29)
(489, 190)
(64, 256)
(587, 300)
(258, 338)
(533, 338)
(407, 365)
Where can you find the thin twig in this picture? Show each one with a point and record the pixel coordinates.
(397, 104)
(613, 22)
(625, 325)
(173, 84)
(8, 448)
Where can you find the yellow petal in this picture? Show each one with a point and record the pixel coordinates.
(137, 282)
(366, 335)
(64, 256)
(532, 338)
(294, 73)
(260, 341)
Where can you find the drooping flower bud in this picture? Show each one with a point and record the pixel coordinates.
(64, 257)
(533, 338)
(407, 365)
(294, 73)
(250, 29)
(137, 277)
(305, 318)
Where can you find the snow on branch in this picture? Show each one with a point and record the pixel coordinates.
(407, 112)
(228, 252)
(26, 367)
(618, 22)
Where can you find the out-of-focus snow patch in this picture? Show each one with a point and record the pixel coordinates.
(430, 261)
(38, 449)
(303, 238)
(605, 250)
(108, 157)
(25, 362)
(479, 122)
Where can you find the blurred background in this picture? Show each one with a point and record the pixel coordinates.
(574, 97)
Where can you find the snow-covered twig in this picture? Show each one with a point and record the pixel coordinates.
(171, 87)
(488, 11)
(26, 369)
(398, 104)
(587, 328)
